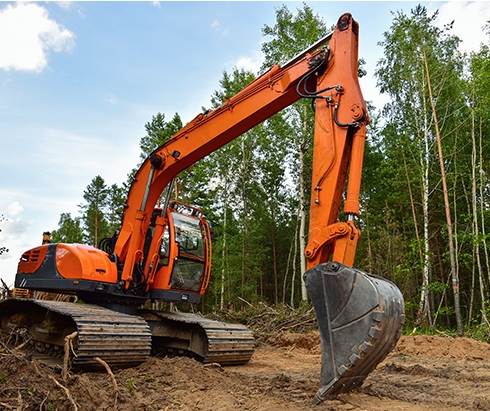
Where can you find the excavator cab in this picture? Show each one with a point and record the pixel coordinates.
(189, 267)
(184, 263)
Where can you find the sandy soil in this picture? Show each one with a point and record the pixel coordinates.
(423, 373)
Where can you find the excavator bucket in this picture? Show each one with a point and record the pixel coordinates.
(360, 317)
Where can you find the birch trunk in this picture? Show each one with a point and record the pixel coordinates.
(245, 243)
(302, 207)
(475, 221)
(223, 264)
(454, 274)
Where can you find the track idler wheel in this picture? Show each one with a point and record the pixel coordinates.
(360, 317)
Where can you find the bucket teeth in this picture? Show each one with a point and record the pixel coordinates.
(360, 317)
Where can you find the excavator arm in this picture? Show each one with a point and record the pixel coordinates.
(329, 76)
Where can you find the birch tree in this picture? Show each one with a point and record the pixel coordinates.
(479, 92)
(421, 72)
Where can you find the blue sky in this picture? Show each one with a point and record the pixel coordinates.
(78, 81)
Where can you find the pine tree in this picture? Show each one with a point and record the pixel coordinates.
(93, 211)
(69, 230)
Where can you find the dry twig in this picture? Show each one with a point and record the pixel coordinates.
(109, 371)
(111, 374)
(66, 358)
(308, 321)
(245, 301)
(21, 403)
(36, 369)
(44, 400)
(20, 346)
(67, 393)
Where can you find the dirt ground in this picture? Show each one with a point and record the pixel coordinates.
(422, 373)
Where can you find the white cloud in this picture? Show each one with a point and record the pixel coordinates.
(14, 209)
(250, 63)
(64, 4)
(15, 238)
(469, 18)
(156, 4)
(111, 98)
(217, 26)
(15, 228)
(27, 34)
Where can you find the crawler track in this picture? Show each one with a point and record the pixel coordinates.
(121, 340)
(210, 341)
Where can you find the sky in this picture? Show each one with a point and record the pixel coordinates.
(79, 80)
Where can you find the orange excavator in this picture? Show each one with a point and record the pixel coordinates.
(164, 253)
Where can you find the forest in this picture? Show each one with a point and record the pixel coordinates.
(425, 192)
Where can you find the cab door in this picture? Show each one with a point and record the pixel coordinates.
(185, 255)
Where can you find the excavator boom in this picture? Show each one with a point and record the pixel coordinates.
(165, 253)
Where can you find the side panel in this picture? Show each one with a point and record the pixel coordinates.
(68, 268)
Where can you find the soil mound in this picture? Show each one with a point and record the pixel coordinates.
(422, 373)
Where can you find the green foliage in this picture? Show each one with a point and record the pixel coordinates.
(479, 331)
(291, 34)
(264, 320)
(129, 385)
(438, 287)
(69, 231)
(417, 53)
(446, 311)
(100, 215)
(158, 132)
(116, 200)
(93, 211)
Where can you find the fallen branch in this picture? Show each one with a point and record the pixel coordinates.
(44, 400)
(21, 403)
(11, 352)
(442, 333)
(245, 301)
(109, 371)
(6, 288)
(34, 365)
(484, 318)
(20, 346)
(67, 393)
(111, 374)
(263, 314)
(309, 320)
